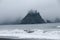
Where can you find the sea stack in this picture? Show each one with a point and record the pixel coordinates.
(33, 17)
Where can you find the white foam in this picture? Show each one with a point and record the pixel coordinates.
(58, 26)
(36, 34)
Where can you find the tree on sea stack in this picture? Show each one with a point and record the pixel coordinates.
(33, 17)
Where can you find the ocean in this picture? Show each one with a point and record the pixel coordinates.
(31, 26)
(48, 31)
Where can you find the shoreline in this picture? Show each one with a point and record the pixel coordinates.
(26, 39)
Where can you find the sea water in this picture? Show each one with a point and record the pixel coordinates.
(48, 31)
(31, 26)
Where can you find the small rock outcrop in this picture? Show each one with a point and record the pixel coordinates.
(33, 17)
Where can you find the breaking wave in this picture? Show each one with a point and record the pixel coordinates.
(35, 33)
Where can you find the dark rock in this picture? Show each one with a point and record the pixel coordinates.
(48, 21)
(29, 31)
(33, 17)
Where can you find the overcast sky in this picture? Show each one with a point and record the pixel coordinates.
(12, 9)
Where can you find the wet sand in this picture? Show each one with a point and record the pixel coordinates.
(26, 39)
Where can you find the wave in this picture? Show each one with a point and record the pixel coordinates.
(35, 33)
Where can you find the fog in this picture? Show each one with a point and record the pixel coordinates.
(10, 10)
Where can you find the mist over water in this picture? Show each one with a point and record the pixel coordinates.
(13, 9)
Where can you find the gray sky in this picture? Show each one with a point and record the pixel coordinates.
(12, 9)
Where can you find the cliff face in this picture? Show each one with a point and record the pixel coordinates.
(32, 18)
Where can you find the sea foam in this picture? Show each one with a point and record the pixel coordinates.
(37, 33)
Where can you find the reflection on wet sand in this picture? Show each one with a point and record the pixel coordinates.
(26, 39)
